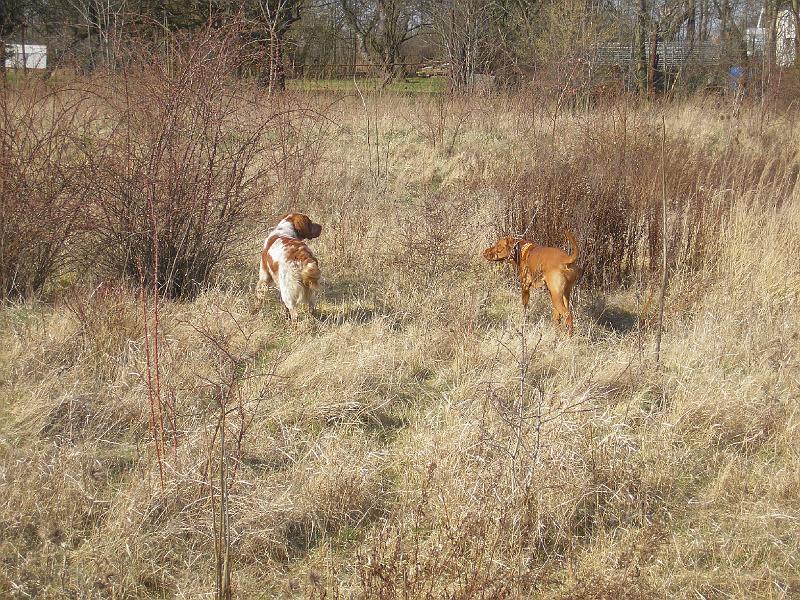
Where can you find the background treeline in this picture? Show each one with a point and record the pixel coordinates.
(510, 41)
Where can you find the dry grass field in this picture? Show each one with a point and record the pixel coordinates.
(421, 438)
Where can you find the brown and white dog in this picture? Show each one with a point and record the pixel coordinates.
(542, 265)
(287, 261)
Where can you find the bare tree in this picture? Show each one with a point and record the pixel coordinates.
(98, 22)
(640, 44)
(795, 6)
(12, 15)
(485, 36)
(465, 30)
(321, 41)
(277, 16)
(655, 21)
(382, 27)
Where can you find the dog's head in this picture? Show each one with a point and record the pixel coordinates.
(506, 248)
(303, 226)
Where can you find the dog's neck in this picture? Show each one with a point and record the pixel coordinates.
(518, 252)
(284, 228)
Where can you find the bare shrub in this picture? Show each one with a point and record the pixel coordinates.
(433, 238)
(606, 184)
(441, 120)
(177, 177)
(299, 134)
(41, 183)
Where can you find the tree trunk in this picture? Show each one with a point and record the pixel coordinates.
(24, 53)
(461, 41)
(276, 66)
(273, 74)
(640, 50)
(771, 15)
(354, 62)
(456, 53)
(796, 19)
(388, 67)
(652, 64)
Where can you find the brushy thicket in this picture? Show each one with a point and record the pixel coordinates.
(174, 166)
(160, 171)
(42, 185)
(422, 438)
(606, 185)
(153, 174)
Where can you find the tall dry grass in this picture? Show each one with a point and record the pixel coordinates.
(422, 438)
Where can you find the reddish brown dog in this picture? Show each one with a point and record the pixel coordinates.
(542, 265)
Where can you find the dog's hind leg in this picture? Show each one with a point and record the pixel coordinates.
(311, 301)
(561, 309)
(571, 279)
(526, 295)
(568, 321)
(261, 288)
(566, 299)
(568, 306)
(292, 291)
(261, 291)
(557, 286)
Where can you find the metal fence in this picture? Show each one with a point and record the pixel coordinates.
(334, 70)
(671, 55)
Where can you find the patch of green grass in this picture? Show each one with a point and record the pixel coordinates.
(20, 315)
(18, 77)
(348, 535)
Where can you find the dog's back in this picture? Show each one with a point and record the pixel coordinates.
(547, 258)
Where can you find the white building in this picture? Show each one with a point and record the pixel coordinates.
(785, 35)
(32, 56)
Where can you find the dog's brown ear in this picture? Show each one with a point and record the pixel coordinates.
(513, 249)
(302, 226)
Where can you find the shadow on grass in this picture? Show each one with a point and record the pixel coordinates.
(338, 315)
(340, 290)
(610, 317)
(344, 306)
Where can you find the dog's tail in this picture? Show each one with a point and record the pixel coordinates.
(310, 275)
(574, 256)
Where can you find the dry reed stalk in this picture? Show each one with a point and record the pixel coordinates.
(221, 512)
(153, 378)
(664, 265)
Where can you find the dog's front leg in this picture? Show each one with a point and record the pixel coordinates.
(312, 304)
